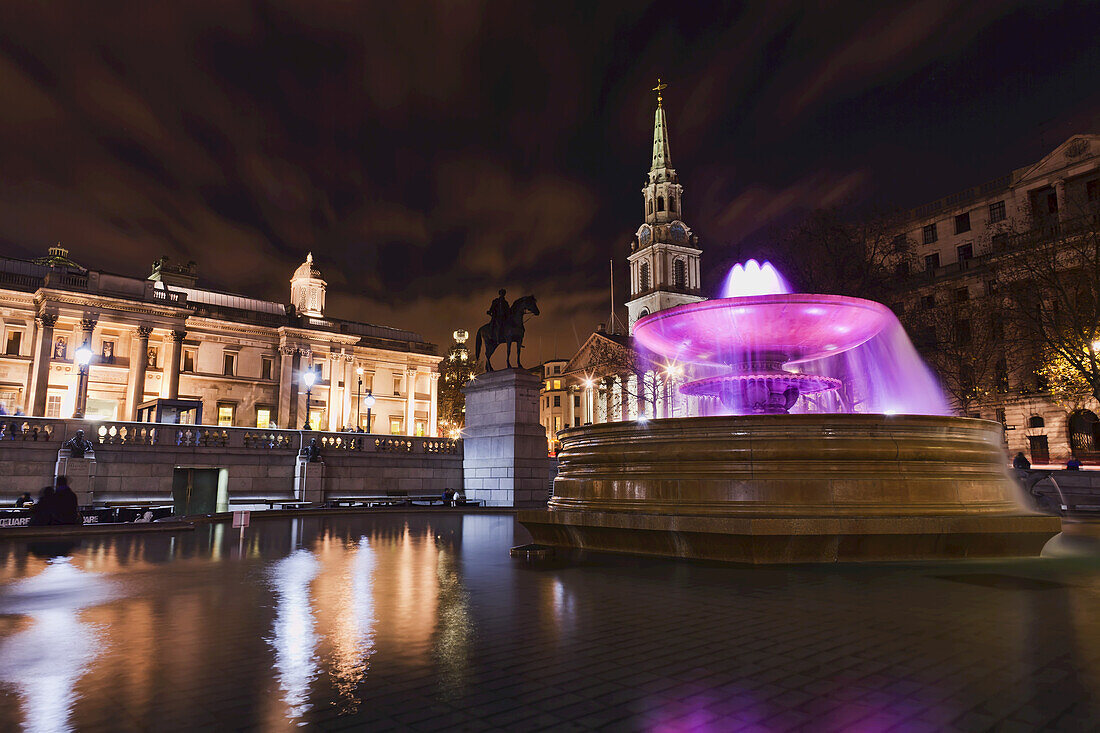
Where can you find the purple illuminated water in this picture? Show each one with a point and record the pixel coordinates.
(763, 349)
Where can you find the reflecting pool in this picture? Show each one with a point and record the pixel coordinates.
(422, 621)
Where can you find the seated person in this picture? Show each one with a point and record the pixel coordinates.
(77, 445)
(25, 501)
(460, 496)
(1073, 464)
(1021, 461)
(67, 505)
(42, 513)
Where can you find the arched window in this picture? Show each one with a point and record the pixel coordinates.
(672, 203)
(1035, 421)
(643, 278)
(679, 273)
(1084, 430)
(644, 313)
(660, 203)
(649, 206)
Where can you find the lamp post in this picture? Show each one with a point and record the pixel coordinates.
(309, 378)
(83, 359)
(359, 399)
(369, 401)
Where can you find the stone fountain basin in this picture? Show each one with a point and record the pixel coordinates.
(796, 327)
(790, 488)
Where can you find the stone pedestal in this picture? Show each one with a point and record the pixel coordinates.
(80, 472)
(309, 480)
(505, 460)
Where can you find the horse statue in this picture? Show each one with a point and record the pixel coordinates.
(510, 331)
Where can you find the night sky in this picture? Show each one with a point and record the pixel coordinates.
(429, 153)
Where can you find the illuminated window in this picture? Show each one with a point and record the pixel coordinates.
(317, 418)
(557, 423)
(53, 405)
(226, 411)
(263, 417)
(421, 428)
(557, 384)
(397, 426)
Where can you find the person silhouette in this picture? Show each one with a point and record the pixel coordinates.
(498, 312)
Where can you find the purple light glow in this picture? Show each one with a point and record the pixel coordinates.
(762, 349)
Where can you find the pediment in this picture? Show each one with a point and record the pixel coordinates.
(1073, 150)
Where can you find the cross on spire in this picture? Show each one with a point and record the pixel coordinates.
(661, 86)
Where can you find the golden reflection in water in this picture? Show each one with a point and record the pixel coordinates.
(452, 639)
(292, 636)
(44, 662)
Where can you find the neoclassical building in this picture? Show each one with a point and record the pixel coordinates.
(243, 359)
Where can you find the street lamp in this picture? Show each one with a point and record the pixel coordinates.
(83, 359)
(309, 378)
(369, 402)
(359, 399)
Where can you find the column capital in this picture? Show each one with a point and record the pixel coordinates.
(179, 336)
(434, 376)
(88, 323)
(47, 320)
(349, 358)
(144, 332)
(288, 350)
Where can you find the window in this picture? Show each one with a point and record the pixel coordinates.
(107, 351)
(229, 364)
(672, 203)
(557, 384)
(188, 360)
(965, 252)
(660, 203)
(263, 417)
(15, 340)
(929, 233)
(557, 369)
(928, 301)
(548, 383)
(225, 414)
(649, 206)
(643, 279)
(996, 212)
(576, 400)
(962, 295)
(557, 423)
(397, 426)
(962, 223)
(53, 405)
(576, 421)
(421, 428)
(397, 386)
(679, 273)
(547, 400)
(9, 398)
(932, 261)
(557, 400)
(267, 366)
(1035, 421)
(1001, 417)
(317, 418)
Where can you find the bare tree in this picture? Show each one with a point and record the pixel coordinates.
(638, 374)
(1052, 288)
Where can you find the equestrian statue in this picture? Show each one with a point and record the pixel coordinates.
(505, 327)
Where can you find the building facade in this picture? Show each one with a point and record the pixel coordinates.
(962, 251)
(559, 401)
(664, 253)
(242, 358)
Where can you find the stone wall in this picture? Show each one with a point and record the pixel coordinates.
(137, 461)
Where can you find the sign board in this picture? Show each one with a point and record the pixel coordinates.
(240, 519)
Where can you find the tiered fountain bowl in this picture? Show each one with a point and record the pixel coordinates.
(757, 340)
(763, 486)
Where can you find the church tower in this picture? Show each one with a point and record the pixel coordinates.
(307, 289)
(664, 254)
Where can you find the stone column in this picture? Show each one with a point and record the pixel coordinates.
(297, 402)
(139, 359)
(333, 406)
(410, 401)
(350, 384)
(433, 405)
(589, 405)
(286, 385)
(170, 385)
(1060, 192)
(40, 371)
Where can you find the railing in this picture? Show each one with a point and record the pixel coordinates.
(121, 434)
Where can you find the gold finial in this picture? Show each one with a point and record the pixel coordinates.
(661, 86)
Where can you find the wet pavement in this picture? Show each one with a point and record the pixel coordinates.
(422, 621)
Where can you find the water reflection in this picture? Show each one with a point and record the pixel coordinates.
(293, 638)
(353, 627)
(44, 662)
(454, 632)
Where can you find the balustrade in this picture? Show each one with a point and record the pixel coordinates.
(121, 435)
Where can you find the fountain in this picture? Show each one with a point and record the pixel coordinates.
(827, 439)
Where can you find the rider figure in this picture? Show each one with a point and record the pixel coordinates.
(498, 312)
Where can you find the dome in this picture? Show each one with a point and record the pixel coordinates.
(307, 269)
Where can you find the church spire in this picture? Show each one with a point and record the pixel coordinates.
(661, 170)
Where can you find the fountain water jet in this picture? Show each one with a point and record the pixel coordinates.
(876, 468)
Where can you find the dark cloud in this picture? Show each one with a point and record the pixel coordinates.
(429, 152)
